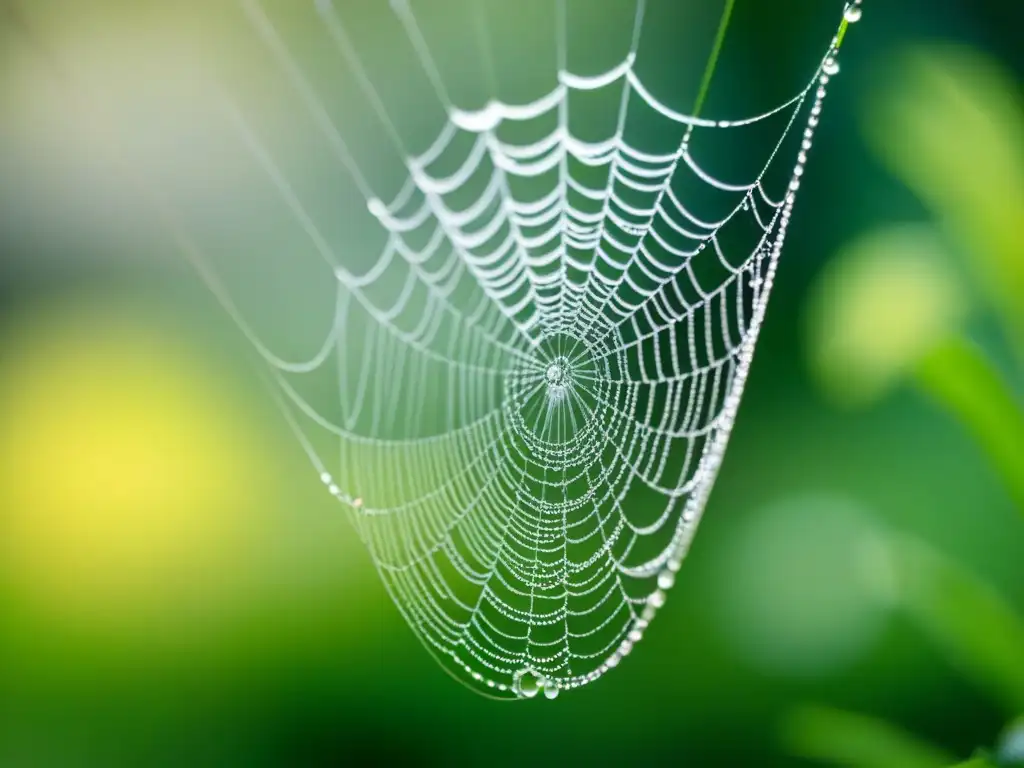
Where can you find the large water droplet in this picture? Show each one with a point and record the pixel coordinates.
(527, 683)
(550, 690)
(831, 66)
(852, 14)
(666, 579)
(1010, 751)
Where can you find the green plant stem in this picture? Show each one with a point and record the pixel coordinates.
(716, 49)
(841, 34)
(958, 376)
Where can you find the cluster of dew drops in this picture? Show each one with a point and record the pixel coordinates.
(528, 683)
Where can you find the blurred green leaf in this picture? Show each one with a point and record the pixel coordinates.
(958, 376)
(885, 300)
(858, 741)
(950, 124)
(964, 618)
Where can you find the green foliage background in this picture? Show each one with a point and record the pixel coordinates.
(177, 589)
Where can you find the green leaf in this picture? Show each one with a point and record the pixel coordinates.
(964, 618)
(858, 741)
(950, 125)
(884, 301)
(958, 376)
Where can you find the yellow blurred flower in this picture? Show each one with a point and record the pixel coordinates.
(128, 472)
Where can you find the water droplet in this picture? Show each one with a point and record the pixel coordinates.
(746, 204)
(1010, 750)
(656, 599)
(357, 502)
(376, 207)
(526, 683)
(666, 579)
(852, 14)
(550, 690)
(831, 66)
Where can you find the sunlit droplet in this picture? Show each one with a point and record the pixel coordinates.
(527, 684)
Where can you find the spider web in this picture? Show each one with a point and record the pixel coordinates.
(538, 375)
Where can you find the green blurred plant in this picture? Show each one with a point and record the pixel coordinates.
(950, 126)
(894, 307)
(848, 738)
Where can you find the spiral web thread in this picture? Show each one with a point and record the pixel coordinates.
(536, 392)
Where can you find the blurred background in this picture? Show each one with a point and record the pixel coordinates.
(177, 589)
